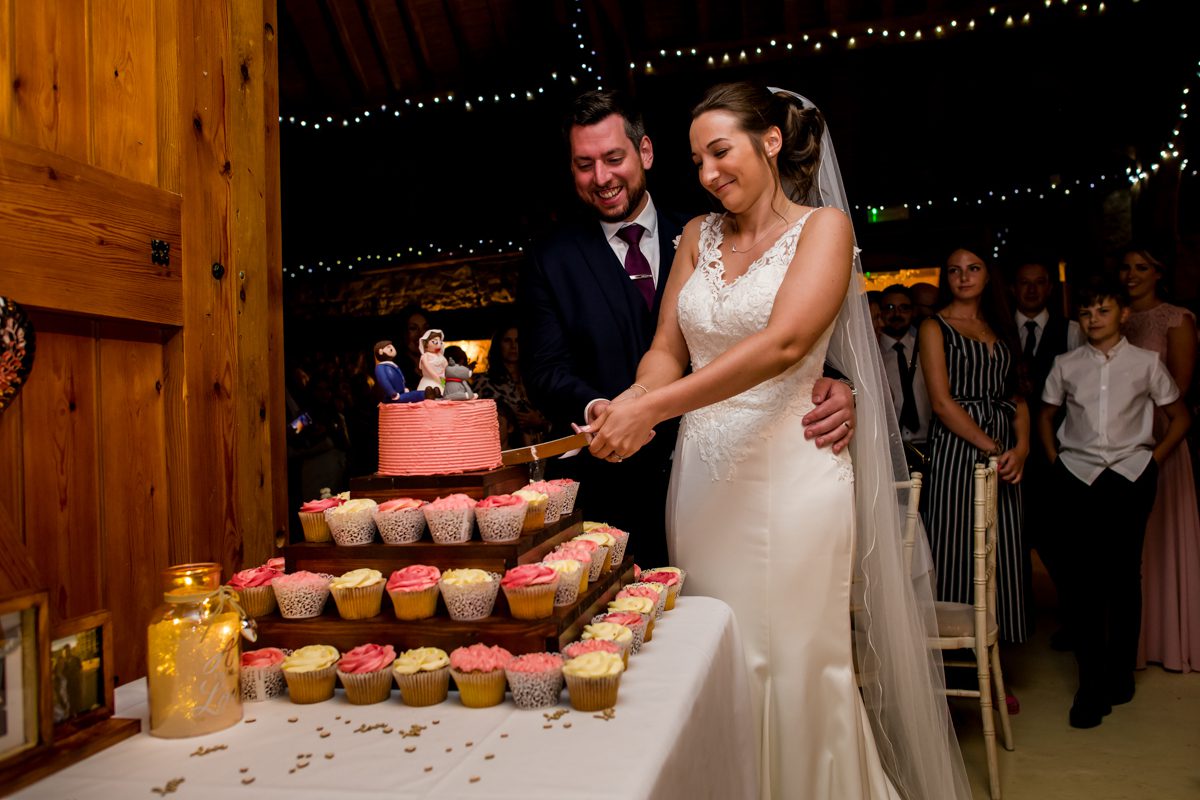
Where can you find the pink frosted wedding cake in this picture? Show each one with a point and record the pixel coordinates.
(438, 437)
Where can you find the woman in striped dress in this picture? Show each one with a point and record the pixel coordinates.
(971, 366)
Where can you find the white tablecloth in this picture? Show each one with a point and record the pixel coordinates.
(682, 729)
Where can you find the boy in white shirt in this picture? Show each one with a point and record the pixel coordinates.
(1105, 476)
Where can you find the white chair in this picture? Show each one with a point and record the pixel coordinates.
(972, 626)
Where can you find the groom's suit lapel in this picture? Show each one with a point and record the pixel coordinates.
(668, 231)
(616, 289)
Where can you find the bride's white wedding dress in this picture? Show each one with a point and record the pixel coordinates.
(764, 520)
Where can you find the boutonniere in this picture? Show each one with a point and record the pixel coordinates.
(675, 241)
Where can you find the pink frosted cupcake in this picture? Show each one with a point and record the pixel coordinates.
(635, 622)
(275, 564)
(620, 542)
(637, 605)
(569, 573)
(604, 543)
(597, 556)
(570, 492)
(654, 591)
(611, 632)
(353, 522)
(555, 498)
(312, 519)
(668, 576)
(366, 673)
(478, 671)
(536, 679)
(469, 594)
(414, 591)
(501, 517)
(451, 519)
(301, 594)
(262, 674)
(400, 521)
(254, 588)
(576, 649)
(580, 555)
(530, 590)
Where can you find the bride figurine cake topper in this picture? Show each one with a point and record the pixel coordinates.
(433, 363)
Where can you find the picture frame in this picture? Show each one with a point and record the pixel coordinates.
(81, 678)
(25, 725)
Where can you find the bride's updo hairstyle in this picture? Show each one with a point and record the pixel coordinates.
(756, 110)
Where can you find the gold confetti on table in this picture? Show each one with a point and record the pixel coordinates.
(566, 724)
(170, 787)
(470, 744)
(606, 714)
(410, 749)
(244, 770)
(474, 779)
(489, 756)
(248, 781)
(293, 719)
(324, 734)
(329, 755)
(203, 751)
(429, 769)
(504, 736)
(252, 719)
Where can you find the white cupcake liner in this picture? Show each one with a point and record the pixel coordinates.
(501, 523)
(535, 689)
(660, 605)
(353, 528)
(301, 602)
(261, 683)
(570, 492)
(554, 505)
(470, 601)
(639, 631)
(616, 554)
(450, 525)
(401, 526)
(599, 560)
(568, 587)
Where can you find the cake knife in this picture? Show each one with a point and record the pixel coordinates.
(555, 447)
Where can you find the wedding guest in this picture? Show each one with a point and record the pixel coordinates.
(1106, 472)
(589, 299)
(873, 305)
(969, 357)
(925, 300)
(1045, 334)
(901, 361)
(520, 423)
(1171, 558)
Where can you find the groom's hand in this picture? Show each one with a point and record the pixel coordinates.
(832, 421)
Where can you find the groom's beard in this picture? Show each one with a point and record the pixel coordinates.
(633, 198)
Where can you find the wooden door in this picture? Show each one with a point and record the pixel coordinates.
(150, 431)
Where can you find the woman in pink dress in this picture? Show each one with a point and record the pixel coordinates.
(1171, 555)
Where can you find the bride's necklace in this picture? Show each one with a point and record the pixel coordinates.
(734, 247)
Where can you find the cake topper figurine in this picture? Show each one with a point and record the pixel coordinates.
(433, 363)
(457, 387)
(391, 379)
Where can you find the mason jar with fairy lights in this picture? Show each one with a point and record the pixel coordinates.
(193, 658)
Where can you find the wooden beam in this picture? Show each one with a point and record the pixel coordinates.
(76, 238)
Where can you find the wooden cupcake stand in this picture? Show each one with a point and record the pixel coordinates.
(518, 636)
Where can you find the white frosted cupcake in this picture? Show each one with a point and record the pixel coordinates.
(500, 517)
(569, 572)
(423, 676)
(629, 619)
(556, 497)
(603, 540)
(619, 541)
(469, 594)
(655, 591)
(358, 593)
(451, 519)
(593, 680)
(400, 521)
(353, 522)
(535, 511)
(611, 632)
(632, 603)
(311, 673)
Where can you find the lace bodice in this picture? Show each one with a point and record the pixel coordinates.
(1148, 329)
(715, 315)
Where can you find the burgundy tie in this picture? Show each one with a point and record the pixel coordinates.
(636, 264)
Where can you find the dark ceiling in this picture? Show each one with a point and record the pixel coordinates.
(987, 105)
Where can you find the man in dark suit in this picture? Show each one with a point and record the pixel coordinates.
(589, 301)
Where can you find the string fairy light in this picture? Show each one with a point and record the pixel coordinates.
(424, 251)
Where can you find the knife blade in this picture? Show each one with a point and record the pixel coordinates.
(555, 447)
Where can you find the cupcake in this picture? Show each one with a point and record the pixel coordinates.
(673, 580)
(655, 591)
(301, 594)
(605, 542)
(414, 591)
(629, 619)
(536, 679)
(275, 563)
(593, 680)
(576, 649)
(478, 672)
(570, 492)
(616, 554)
(636, 605)
(366, 673)
(469, 593)
(423, 676)
(450, 518)
(501, 517)
(312, 519)
(353, 522)
(612, 632)
(597, 557)
(400, 521)
(569, 572)
(580, 556)
(530, 590)
(555, 497)
(535, 511)
(254, 589)
(261, 675)
(311, 673)
(358, 593)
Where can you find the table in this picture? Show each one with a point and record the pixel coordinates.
(682, 728)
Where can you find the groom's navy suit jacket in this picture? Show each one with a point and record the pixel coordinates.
(583, 329)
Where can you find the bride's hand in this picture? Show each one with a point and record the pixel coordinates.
(620, 430)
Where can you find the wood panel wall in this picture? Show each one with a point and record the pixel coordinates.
(150, 431)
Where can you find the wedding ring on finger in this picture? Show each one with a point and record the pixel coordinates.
(847, 424)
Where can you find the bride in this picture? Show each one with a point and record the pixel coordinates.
(760, 517)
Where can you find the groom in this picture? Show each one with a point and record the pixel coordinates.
(589, 301)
